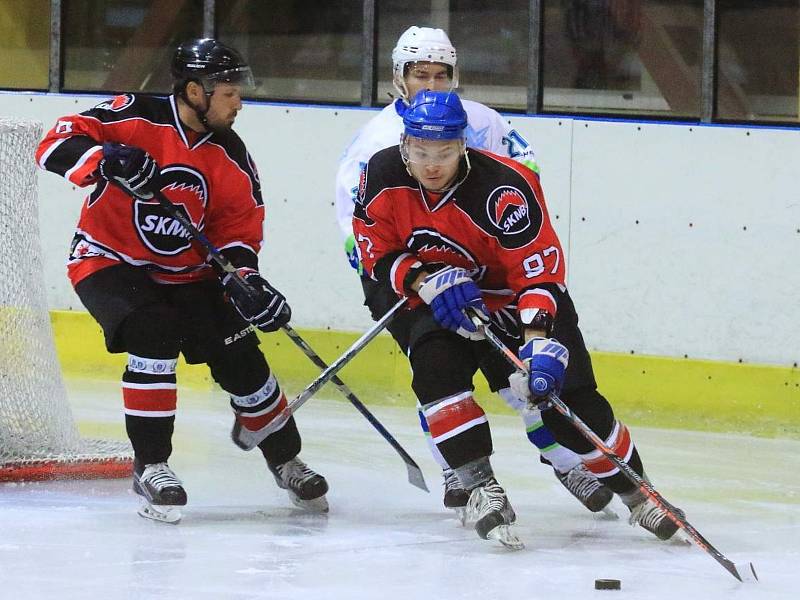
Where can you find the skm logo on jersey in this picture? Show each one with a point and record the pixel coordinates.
(508, 210)
(117, 103)
(158, 230)
(437, 250)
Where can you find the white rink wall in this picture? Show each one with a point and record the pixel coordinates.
(681, 239)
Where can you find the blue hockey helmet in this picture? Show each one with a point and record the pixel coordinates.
(435, 116)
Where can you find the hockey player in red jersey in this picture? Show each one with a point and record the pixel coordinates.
(425, 58)
(152, 292)
(462, 231)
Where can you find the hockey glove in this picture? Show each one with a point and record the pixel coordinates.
(133, 169)
(454, 298)
(547, 361)
(263, 305)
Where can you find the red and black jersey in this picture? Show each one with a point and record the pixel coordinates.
(209, 176)
(494, 224)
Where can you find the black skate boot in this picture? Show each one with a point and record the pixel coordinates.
(306, 488)
(582, 483)
(489, 507)
(455, 496)
(646, 513)
(161, 492)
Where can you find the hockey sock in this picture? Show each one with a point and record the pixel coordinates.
(437, 456)
(619, 440)
(149, 394)
(475, 473)
(459, 428)
(257, 410)
(562, 459)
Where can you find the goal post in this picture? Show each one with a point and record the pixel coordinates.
(38, 435)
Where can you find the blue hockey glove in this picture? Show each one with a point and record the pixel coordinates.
(454, 297)
(352, 254)
(265, 307)
(130, 167)
(547, 361)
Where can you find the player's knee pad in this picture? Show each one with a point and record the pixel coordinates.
(152, 338)
(591, 407)
(620, 442)
(441, 368)
(153, 330)
(459, 428)
(256, 396)
(240, 373)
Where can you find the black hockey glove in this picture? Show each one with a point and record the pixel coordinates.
(130, 167)
(263, 306)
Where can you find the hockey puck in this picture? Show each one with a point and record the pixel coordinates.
(607, 584)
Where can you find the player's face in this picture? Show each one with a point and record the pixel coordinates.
(427, 76)
(225, 104)
(434, 163)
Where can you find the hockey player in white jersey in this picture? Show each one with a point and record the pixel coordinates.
(424, 58)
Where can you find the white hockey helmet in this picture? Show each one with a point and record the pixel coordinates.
(422, 44)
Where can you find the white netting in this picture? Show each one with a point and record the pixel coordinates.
(36, 423)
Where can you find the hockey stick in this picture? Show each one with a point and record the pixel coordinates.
(741, 571)
(415, 476)
(247, 440)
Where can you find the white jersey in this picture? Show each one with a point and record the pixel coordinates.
(486, 130)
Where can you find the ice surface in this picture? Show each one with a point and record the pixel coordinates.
(241, 538)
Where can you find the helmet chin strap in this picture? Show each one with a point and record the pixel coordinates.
(201, 112)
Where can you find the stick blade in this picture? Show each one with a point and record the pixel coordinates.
(416, 478)
(746, 571)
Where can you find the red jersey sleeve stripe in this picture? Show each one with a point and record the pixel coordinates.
(44, 151)
(82, 173)
(400, 269)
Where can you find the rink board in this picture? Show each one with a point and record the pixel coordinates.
(651, 391)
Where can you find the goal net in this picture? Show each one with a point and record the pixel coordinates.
(38, 436)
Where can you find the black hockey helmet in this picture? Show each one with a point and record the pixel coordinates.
(208, 62)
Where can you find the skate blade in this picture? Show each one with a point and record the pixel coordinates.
(461, 515)
(608, 514)
(316, 505)
(504, 535)
(163, 514)
(680, 538)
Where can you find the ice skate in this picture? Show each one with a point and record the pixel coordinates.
(306, 488)
(455, 496)
(161, 492)
(582, 483)
(488, 506)
(646, 513)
